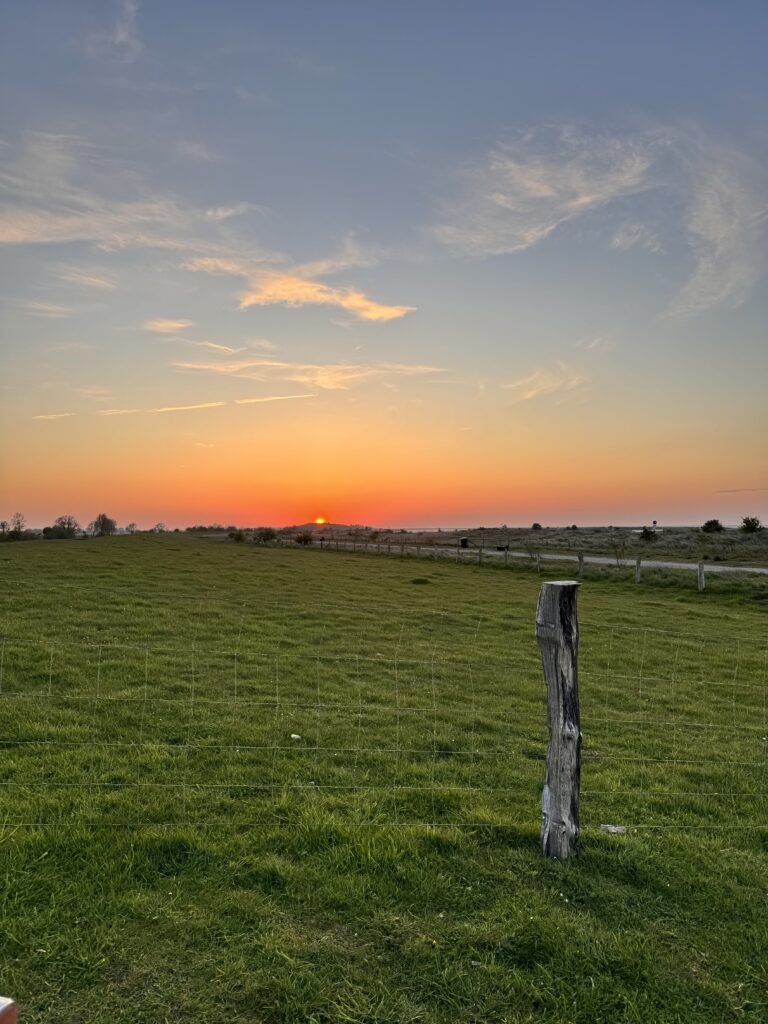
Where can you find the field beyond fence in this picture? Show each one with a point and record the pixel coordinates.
(192, 698)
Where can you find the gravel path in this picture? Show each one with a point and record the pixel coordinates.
(471, 555)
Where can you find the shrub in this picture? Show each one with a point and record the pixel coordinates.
(536, 526)
(305, 539)
(647, 534)
(265, 535)
(712, 526)
(750, 524)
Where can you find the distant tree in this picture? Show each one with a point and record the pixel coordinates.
(64, 528)
(238, 536)
(574, 527)
(265, 535)
(536, 526)
(305, 539)
(712, 526)
(102, 526)
(4, 527)
(131, 528)
(68, 525)
(648, 534)
(18, 522)
(159, 528)
(750, 524)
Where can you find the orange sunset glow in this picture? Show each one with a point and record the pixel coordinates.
(477, 304)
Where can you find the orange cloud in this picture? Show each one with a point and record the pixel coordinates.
(292, 290)
(167, 326)
(273, 288)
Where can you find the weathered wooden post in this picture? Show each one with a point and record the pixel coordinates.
(480, 554)
(581, 564)
(700, 576)
(538, 561)
(506, 556)
(638, 564)
(557, 634)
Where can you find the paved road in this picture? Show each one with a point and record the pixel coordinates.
(472, 554)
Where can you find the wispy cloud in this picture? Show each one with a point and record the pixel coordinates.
(47, 309)
(724, 224)
(196, 151)
(630, 234)
(53, 416)
(532, 183)
(85, 278)
(188, 408)
(271, 289)
(557, 380)
(291, 288)
(327, 376)
(117, 412)
(741, 490)
(271, 398)
(600, 343)
(694, 189)
(60, 188)
(214, 346)
(95, 392)
(167, 326)
(122, 39)
(71, 346)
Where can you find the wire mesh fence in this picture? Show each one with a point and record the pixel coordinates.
(675, 732)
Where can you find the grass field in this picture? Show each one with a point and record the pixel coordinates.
(250, 784)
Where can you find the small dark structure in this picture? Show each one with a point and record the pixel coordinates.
(502, 547)
(463, 542)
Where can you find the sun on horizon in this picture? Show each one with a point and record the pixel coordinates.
(320, 521)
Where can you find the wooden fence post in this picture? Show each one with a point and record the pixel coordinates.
(538, 562)
(506, 557)
(638, 563)
(480, 555)
(7, 1011)
(700, 576)
(557, 634)
(581, 564)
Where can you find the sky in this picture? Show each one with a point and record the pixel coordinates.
(403, 264)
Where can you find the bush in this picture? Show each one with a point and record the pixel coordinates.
(536, 526)
(712, 526)
(647, 534)
(750, 524)
(238, 536)
(305, 539)
(265, 535)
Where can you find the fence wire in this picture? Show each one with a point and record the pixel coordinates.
(675, 732)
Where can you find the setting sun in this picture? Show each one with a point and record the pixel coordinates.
(320, 521)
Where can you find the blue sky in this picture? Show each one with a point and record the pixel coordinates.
(461, 232)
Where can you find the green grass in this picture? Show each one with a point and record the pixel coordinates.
(170, 853)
